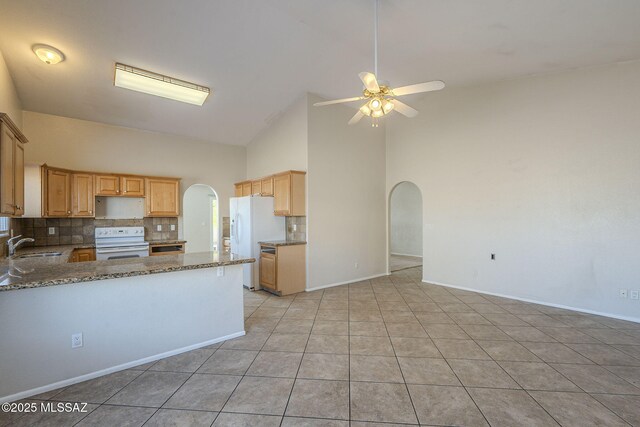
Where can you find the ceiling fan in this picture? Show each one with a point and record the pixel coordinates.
(381, 99)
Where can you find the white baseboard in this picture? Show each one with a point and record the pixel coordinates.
(317, 288)
(96, 374)
(414, 256)
(548, 304)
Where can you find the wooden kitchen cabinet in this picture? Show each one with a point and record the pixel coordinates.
(82, 195)
(107, 185)
(289, 194)
(256, 187)
(283, 268)
(238, 190)
(11, 167)
(246, 188)
(266, 186)
(132, 186)
(83, 255)
(56, 192)
(162, 197)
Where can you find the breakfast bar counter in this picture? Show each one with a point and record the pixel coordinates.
(126, 312)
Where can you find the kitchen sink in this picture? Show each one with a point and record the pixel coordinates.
(40, 255)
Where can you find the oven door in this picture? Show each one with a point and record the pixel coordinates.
(122, 252)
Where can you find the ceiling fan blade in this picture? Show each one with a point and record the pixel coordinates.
(338, 101)
(370, 82)
(418, 88)
(404, 109)
(356, 118)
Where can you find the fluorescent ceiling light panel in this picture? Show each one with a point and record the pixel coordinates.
(156, 84)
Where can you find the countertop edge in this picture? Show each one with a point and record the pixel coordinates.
(106, 276)
(283, 242)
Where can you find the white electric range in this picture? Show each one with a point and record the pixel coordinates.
(120, 243)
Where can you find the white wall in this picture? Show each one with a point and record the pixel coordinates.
(405, 212)
(78, 144)
(124, 322)
(283, 145)
(345, 198)
(197, 221)
(9, 100)
(542, 171)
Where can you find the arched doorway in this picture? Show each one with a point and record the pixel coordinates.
(405, 227)
(200, 218)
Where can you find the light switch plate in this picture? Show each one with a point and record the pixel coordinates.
(173, 227)
(52, 231)
(158, 227)
(635, 294)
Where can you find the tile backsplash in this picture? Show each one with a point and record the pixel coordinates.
(300, 232)
(68, 231)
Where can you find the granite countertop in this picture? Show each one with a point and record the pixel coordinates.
(27, 273)
(166, 242)
(283, 242)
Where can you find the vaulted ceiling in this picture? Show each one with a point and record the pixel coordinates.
(258, 56)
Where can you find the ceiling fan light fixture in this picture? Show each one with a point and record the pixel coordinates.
(387, 106)
(365, 109)
(375, 104)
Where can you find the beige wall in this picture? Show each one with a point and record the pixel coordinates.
(544, 172)
(9, 101)
(283, 145)
(346, 198)
(78, 144)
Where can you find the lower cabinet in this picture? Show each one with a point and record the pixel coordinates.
(82, 255)
(283, 268)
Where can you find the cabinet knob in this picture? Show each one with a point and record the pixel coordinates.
(125, 191)
(90, 212)
(68, 212)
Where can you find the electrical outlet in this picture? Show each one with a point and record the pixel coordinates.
(623, 293)
(356, 265)
(158, 227)
(52, 231)
(76, 340)
(635, 294)
(220, 271)
(173, 227)
(294, 227)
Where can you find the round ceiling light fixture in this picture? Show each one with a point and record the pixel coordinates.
(48, 54)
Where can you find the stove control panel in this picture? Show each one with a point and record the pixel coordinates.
(111, 232)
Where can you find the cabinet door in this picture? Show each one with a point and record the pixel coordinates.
(282, 194)
(256, 187)
(82, 196)
(268, 270)
(132, 186)
(8, 142)
(267, 186)
(238, 190)
(107, 185)
(57, 193)
(246, 188)
(18, 179)
(162, 197)
(84, 255)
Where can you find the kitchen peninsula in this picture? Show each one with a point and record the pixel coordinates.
(129, 312)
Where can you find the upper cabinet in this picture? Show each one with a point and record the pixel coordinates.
(67, 193)
(266, 186)
(82, 195)
(56, 192)
(289, 194)
(107, 185)
(287, 189)
(11, 168)
(162, 197)
(132, 186)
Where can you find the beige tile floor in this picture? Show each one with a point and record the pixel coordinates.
(391, 351)
(401, 262)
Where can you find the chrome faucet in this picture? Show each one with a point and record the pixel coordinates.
(12, 247)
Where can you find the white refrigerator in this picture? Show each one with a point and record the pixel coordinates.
(253, 221)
